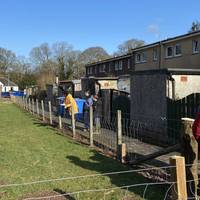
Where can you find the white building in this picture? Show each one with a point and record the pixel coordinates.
(6, 85)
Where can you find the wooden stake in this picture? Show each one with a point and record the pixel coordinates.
(60, 122)
(33, 106)
(91, 127)
(50, 113)
(73, 123)
(119, 127)
(42, 104)
(178, 175)
(37, 107)
(29, 104)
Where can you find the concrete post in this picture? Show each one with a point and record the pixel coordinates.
(189, 147)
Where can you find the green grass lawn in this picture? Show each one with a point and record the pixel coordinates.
(30, 151)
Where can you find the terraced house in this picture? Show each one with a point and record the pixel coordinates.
(157, 76)
(182, 52)
(178, 52)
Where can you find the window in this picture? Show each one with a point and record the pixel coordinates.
(110, 66)
(141, 57)
(120, 65)
(116, 65)
(138, 58)
(102, 68)
(169, 51)
(144, 57)
(95, 69)
(195, 46)
(129, 63)
(89, 70)
(155, 54)
(177, 50)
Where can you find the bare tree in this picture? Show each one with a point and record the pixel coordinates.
(195, 26)
(128, 45)
(61, 50)
(7, 60)
(93, 54)
(41, 54)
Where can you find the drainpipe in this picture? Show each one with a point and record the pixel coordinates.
(160, 55)
(170, 78)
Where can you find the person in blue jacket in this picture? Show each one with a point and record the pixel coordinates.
(88, 104)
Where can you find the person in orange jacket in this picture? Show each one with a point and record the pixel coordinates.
(70, 103)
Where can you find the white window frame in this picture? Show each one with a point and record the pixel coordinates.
(175, 47)
(155, 54)
(194, 51)
(166, 52)
(143, 57)
(136, 58)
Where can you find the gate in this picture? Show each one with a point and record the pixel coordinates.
(176, 109)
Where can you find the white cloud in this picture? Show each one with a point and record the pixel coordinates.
(154, 29)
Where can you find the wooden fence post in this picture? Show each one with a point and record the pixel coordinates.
(50, 113)
(33, 106)
(29, 105)
(23, 102)
(37, 107)
(189, 147)
(73, 123)
(119, 127)
(60, 122)
(121, 147)
(42, 104)
(91, 127)
(179, 189)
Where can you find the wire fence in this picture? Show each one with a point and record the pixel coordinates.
(141, 190)
(106, 134)
(138, 136)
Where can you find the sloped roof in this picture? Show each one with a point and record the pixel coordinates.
(7, 82)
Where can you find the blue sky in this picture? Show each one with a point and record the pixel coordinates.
(84, 23)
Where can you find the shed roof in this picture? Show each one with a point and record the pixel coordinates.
(7, 82)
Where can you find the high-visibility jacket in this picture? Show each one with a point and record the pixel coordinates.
(70, 102)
